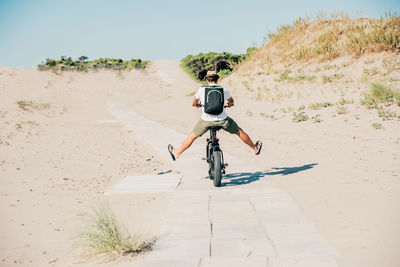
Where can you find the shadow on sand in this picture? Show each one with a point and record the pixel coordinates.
(240, 178)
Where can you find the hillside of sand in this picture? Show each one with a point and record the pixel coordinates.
(313, 108)
(352, 194)
(325, 143)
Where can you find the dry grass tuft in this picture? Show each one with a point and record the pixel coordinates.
(327, 39)
(29, 105)
(320, 105)
(106, 238)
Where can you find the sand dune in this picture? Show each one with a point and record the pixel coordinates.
(60, 153)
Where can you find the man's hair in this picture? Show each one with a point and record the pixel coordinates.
(212, 78)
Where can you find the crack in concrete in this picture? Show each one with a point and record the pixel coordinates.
(262, 225)
(211, 225)
(248, 254)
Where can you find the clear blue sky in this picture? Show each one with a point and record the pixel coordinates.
(33, 30)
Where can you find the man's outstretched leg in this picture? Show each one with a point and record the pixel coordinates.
(245, 138)
(186, 144)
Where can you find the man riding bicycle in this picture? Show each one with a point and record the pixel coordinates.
(213, 115)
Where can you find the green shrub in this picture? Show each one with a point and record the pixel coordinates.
(316, 118)
(81, 64)
(368, 101)
(198, 65)
(385, 114)
(377, 126)
(250, 51)
(298, 117)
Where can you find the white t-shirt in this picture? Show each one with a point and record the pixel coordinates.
(208, 117)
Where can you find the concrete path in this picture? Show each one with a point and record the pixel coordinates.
(246, 222)
(146, 183)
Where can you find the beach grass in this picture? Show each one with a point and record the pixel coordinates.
(106, 238)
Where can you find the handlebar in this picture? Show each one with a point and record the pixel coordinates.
(201, 105)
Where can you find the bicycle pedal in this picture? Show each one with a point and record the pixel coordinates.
(225, 165)
(204, 158)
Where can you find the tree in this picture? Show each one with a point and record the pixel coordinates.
(50, 62)
(82, 59)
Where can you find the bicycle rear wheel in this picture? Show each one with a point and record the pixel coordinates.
(217, 167)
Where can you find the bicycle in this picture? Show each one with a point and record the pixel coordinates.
(215, 157)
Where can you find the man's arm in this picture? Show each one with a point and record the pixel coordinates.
(230, 102)
(195, 102)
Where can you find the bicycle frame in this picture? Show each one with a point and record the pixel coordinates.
(213, 145)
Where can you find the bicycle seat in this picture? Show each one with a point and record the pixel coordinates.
(215, 128)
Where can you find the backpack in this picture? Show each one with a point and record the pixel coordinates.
(213, 100)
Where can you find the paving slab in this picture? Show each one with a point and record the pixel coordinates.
(300, 230)
(107, 121)
(238, 231)
(303, 262)
(175, 248)
(184, 231)
(233, 262)
(248, 247)
(183, 262)
(146, 184)
(228, 209)
(188, 208)
(306, 247)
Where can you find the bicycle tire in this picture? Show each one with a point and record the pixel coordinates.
(217, 160)
(209, 160)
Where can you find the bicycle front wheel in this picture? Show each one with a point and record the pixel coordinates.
(217, 168)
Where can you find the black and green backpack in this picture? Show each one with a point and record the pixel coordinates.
(213, 100)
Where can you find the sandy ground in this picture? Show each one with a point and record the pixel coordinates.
(57, 160)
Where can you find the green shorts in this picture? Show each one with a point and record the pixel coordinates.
(228, 125)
